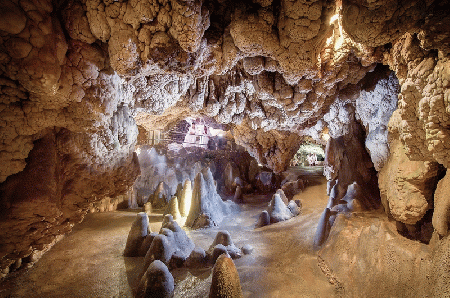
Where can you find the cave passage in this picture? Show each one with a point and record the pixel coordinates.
(224, 148)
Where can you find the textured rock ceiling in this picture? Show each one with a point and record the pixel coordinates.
(259, 65)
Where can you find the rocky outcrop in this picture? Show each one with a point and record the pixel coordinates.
(58, 186)
(361, 242)
(441, 213)
(421, 119)
(407, 186)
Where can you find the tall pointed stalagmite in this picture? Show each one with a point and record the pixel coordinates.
(172, 208)
(186, 198)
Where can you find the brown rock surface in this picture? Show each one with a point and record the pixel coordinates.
(441, 214)
(407, 186)
(225, 279)
(364, 252)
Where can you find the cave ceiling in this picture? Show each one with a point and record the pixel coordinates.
(269, 69)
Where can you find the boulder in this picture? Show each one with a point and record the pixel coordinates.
(139, 230)
(247, 249)
(225, 279)
(156, 282)
(160, 249)
(171, 242)
(294, 208)
(292, 188)
(146, 244)
(282, 196)
(217, 251)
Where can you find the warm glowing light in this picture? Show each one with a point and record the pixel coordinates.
(216, 132)
(325, 137)
(138, 151)
(334, 18)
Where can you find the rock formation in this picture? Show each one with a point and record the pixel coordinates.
(172, 208)
(156, 282)
(172, 245)
(138, 232)
(407, 186)
(186, 198)
(78, 77)
(223, 238)
(225, 279)
(207, 207)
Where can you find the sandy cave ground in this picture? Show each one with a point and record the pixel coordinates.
(89, 263)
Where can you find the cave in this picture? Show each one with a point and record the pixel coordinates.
(258, 148)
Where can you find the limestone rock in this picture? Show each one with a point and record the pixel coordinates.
(282, 196)
(375, 243)
(186, 198)
(217, 251)
(278, 210)
(247, 249)
(207, 208)
(224, 238)
(294, 208)
(374, 107)
(160, 196)
(137, 234)
(230, 175)
(263, 219)
(292, 188)
(196, 258)
(145, 246)
(441, 215)
(407, 186)
(172, 208)
(172, 245)
(238, 194)
(156, 282)
(225, 279)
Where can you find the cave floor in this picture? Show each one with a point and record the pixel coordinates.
(89, 263)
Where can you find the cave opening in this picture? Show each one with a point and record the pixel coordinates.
(256, 148)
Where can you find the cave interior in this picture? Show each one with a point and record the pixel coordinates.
(194, 148)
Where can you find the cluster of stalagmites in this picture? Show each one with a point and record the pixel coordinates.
(279, 209)
(171, 248)
(163, 178)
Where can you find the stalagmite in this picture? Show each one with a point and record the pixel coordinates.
(186, 198)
